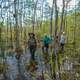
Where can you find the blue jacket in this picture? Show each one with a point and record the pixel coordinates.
(47, 40)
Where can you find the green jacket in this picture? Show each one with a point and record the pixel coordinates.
(47, 40)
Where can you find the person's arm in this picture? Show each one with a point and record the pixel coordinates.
(28, 44)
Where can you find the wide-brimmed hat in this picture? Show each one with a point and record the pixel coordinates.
(31, 34)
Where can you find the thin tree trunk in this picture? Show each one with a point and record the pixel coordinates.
(34, 14)
(61, 25)
(41, 23)
(75, 25)
(55, 33)
(17, 36)
(16, 24)
(51, 19)
(57, 64)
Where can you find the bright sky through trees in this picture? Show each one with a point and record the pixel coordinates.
(59, 3)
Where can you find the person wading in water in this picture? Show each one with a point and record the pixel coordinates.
(32, 45)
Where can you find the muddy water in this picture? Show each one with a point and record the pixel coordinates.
(12, 71)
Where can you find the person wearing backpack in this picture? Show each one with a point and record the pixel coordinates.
(62, 41)
(32, 45)
(46, 42)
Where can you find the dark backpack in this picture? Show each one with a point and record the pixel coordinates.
(32, 42)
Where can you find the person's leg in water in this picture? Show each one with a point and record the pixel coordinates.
(32, 52)
(46, 54)
(47, 48)
(43, 48)
(62, 47)
(33, 62)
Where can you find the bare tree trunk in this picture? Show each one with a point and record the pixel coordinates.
(17, 36)
(62, 15)
(51, 19)
(55, 33)
(11, 37)
(41, 22)
(34, 14)
(16, 24)
(75, 25)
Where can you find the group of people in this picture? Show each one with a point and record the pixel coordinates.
(47, 40)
